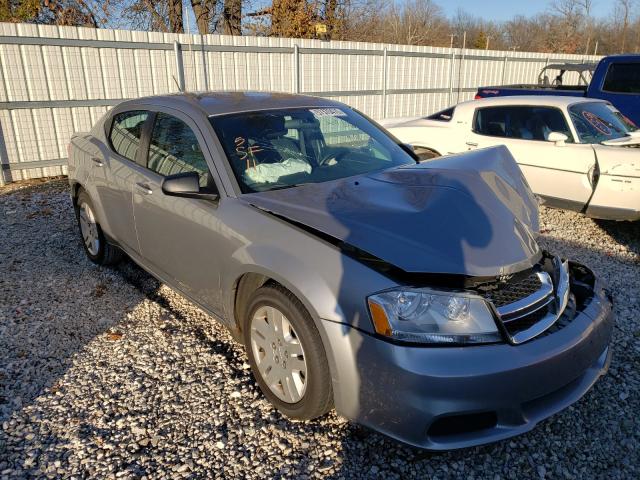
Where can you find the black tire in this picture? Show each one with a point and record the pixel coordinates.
(318, 395)
(106, 253)
(424, 153)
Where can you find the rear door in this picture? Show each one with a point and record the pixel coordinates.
(178, 236)
(113, 175)
(559, 173)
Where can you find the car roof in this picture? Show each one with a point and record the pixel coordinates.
(542, 100)
(219, 103)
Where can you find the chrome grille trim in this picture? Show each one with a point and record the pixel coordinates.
(555, 306)
(554, 300)
(525, 305)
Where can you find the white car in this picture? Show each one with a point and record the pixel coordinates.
(577, 154)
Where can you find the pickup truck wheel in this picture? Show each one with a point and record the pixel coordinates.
(424, 153)
(286, 354)
(96, 247)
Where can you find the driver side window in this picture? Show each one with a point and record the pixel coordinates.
(520, 122)
(174, 148)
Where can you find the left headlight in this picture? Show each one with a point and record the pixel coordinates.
(420, 315)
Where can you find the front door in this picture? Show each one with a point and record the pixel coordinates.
(178, 235)
(558, 172)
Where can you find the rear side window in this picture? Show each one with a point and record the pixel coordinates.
(622, 78)
(521, 122)
(174, 148)
(443, 116)
(126, 131)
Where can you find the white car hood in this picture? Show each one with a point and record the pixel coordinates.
(632, 139)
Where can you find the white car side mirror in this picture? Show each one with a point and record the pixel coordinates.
(558, 138)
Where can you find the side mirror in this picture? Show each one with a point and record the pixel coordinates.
(186, 185)
(558, 138)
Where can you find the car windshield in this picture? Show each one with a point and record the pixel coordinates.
(598, 121)
(274, 149)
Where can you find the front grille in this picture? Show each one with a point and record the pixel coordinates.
(512, 291)
(521, 324)
(529, 305)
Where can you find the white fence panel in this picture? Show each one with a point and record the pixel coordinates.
(55, 81)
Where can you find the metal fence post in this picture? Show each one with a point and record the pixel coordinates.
(177, 48)
(4, 157)
(205, 75)
(296, 69)
(384, 82)
(504, 69)
(451, 65)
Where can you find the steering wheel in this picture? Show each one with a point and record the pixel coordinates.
(332, 155)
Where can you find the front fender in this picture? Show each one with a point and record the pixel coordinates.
(292, 273)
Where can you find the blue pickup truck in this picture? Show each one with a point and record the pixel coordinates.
(615, 78)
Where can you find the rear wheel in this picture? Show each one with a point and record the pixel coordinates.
(286, 354)
(96, 247)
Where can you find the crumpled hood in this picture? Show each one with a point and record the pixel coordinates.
(471, 214)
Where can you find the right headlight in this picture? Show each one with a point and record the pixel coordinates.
(420, 315)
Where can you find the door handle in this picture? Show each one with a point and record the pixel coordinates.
(98, 162)
(144, 188)
(472, 144)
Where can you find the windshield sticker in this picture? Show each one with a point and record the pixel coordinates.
(327, 112)
(244, 153)
(597, 123)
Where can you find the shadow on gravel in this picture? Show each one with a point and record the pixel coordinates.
(625, 233)
(40, 269)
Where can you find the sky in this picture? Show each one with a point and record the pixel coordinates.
(500, 10)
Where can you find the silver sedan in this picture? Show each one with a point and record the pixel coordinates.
(411, 297)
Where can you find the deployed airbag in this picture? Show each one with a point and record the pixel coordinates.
(272, 172)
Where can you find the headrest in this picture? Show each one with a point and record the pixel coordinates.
(271, 125)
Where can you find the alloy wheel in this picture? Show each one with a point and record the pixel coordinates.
(89, 229)
(278, 354)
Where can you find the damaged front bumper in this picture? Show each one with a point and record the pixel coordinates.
(442, 398)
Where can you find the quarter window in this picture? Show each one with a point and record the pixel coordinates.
(443, 116)
(125, 132)
(174, 148)
(521, 122)
(622, 78)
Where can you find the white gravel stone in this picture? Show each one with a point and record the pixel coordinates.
(105, 373)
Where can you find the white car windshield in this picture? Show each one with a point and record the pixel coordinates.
(274, 149)
(597, 122)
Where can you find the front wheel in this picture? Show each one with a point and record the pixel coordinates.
(286, 354)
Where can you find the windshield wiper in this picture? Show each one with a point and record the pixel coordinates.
(282, 187)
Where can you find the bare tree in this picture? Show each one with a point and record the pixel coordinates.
(622, 14)
(232, 17)
(204, 10)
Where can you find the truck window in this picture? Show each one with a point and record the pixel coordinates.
(521, 122)
(622, 78)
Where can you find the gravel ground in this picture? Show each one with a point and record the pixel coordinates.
(107, 373)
